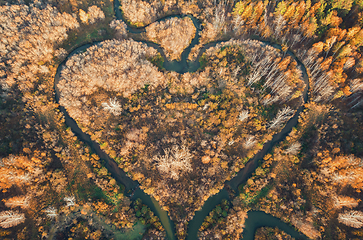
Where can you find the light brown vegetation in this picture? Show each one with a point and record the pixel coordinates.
(113, 65)
(174, 35)
(29, 35)
(103, 90)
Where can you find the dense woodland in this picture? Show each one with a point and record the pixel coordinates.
(174, 35)
(182, 142)
(52, 185)
(181, 136)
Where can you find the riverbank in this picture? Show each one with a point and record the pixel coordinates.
(171, 66)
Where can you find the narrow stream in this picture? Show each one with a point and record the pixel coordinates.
(244, 174)
(255, 218)
(131, 187)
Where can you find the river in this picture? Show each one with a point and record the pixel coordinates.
(255, 218)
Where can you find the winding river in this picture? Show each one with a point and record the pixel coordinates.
(255, 219)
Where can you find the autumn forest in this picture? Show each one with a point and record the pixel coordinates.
(181, 119)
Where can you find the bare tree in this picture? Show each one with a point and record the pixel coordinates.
(356, 87)
(236, 71)
(18, 201)
(345, 201)
(243, 115)
(293, 149)
(95, 13)
(219, 18)
(29, 35)
(279, 24)
(11, 218)
(282, 116)
(305, 226)
(174, 162)
(343, 178)
(113, 107)
(51, 212)
(71, 201)
(349, 63)
(328, 44)
(322, 88)
(250, 142)
(351, 218)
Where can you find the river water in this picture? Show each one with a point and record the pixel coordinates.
(255, 219)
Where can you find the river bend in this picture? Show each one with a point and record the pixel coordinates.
(255, 219)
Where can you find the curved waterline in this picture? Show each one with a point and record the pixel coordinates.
(244, 174)
(132, 187)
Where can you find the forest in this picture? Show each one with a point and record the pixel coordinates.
(190, 136)
(180, 137)
(173, 35)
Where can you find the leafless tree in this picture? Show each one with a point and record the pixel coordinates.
(51, 212)
(342, 178)
(18, 201)
(345, 201)
(249, 142)
(30, 35)
(113, 107)
(279, 24)
(282, 116)
(95, 13)
(175, 161)
(243, 116)
(174, 35)
(11, 218)
(70, 200)
(351, 218)
(356, 98)
(293, 149)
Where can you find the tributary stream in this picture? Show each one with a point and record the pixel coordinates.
(255, 219)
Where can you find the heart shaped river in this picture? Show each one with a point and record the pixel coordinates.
(181, 136)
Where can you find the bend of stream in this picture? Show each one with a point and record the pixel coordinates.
(255, 219)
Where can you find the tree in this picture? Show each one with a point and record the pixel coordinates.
(328, 44)
(243, 116)
(51, 212)
(17, 201)
(282, 116)
(342, 4)
(219, 18)
(305, 227)
(174, 162)
(293, 149)
(250, 142)
(71, 201)
(351, 218)
(94, 14)
(15, 170)
(31, 35)
(11, 218)
(236, 223)
(345, 201)
(120, 28)
(113, 107)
